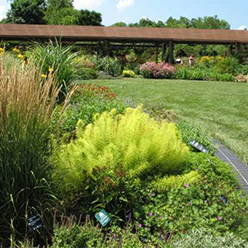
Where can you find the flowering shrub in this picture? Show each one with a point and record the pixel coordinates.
(154, 70)
(210, 60)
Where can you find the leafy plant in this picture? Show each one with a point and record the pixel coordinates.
(58, 60)
(192, 132)
(108, 65)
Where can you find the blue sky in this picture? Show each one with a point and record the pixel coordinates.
(233, 11)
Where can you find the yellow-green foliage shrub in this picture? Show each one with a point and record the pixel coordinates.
(134, 141)
(169, 182)
(128, 73)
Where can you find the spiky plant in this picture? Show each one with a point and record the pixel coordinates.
(26, 107)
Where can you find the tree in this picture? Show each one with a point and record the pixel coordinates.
(145, 22)
(119, 24)
(26, 12)
(89, 18)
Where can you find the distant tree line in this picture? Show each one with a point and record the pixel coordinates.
(208, 22)
(62, 12)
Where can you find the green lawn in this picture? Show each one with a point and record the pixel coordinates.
(220, 108)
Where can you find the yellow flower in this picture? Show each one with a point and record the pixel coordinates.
(51, 69)
(20, 56)
(43, 75)
(1, 49)
(17, 50)
(1, 53)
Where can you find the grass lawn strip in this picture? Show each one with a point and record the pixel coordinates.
(221, 108)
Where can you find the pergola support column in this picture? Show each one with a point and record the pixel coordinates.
(230, 50)
(171, 49)
(163, 52)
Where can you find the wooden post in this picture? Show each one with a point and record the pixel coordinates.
(171, 48)
(163, 51)
(157, 51)
(230, 50)
(237, 49)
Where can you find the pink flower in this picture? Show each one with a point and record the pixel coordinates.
(187, 185)
(219, 218)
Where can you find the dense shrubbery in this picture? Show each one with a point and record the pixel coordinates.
(107, 156)
(196, 73)
(85, 102)
(108, 65)
(161, 70)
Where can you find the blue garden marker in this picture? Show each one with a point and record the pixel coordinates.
(103, 217)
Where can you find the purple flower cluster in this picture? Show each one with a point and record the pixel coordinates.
(154, 70)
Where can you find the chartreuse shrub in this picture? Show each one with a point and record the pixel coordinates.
(112, 158)
(26, 107)
(128, 73)
(133, 140)
(178, 181)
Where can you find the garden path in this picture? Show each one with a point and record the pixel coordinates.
(239, 167)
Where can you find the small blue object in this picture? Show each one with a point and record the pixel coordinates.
(103, 217)
(198, 146)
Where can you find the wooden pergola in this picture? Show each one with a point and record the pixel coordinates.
(152, 37)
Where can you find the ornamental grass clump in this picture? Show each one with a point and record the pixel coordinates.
(26, 107)
(133, 141)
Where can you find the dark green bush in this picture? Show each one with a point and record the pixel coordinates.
(86, 73)
(108, 65)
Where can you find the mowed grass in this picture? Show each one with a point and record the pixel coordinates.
(221, 108)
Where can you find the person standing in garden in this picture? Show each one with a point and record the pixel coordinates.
(191, 60)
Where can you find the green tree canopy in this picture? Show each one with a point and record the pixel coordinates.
(26, 12)
(89, 18)
(119, 24)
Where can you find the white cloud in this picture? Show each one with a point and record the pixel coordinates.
(123, 4)
(3, 10)
(242, 27)
(87, 4)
